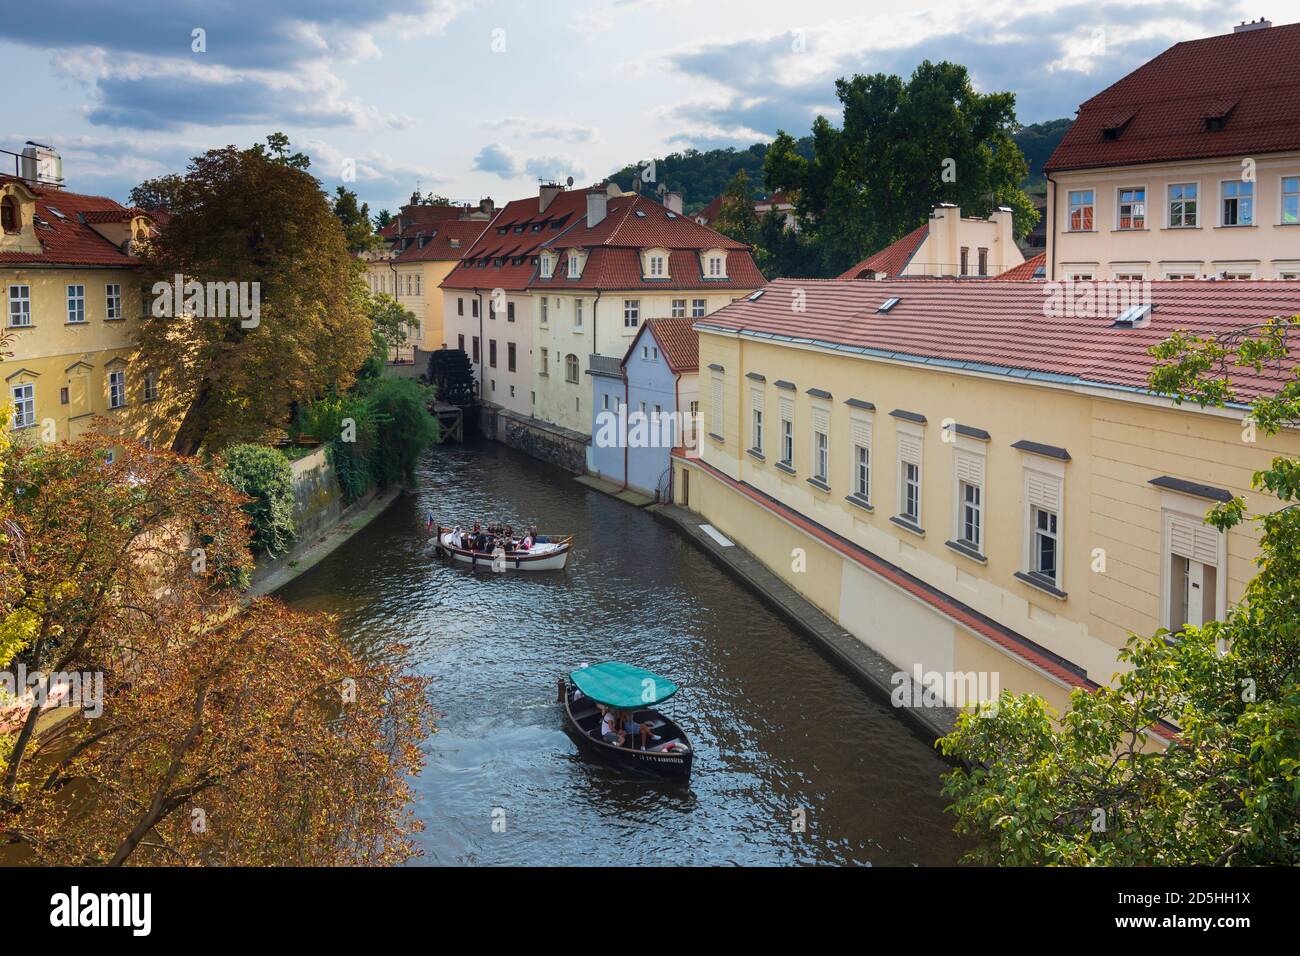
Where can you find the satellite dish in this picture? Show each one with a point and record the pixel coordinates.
(570, 181)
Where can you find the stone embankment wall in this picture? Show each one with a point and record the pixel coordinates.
(551, 443)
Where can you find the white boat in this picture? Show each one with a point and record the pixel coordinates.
(551, 554)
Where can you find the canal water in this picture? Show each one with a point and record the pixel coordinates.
(781, 734)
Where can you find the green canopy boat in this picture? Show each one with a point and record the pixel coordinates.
(652, 744)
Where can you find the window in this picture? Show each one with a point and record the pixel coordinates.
(474, 309)
(546, 266)
(1082, 203)
(698, 307)
(965, 260)
(1133, 208)
(756, 419)
(151, 386)
(715, 411)
(821, 454)
(657, 267)
(984, 262)
(546, 362)
(1290, 200)
(116, 389)
(10, 220)
(24, 397)
(1044, 547)
(909, 476)
(112, 302)
(787, 433)
(577, 313)
(1238, 203)
(679, 309)
(20, 306)
(861, 435)
(510, 311)
(546, 310)
(1180, 275)
(715, 270)
(460, 342)
(1043, 526)
(1193, 554)
(510, 356)
(574, 263)
(1182, 205)
(76, 304)
(460, 306)
(571, 368)
(631, 313)
(492, 353)
(971, 523)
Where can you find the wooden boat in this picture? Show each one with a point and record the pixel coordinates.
(551, 554)
(626, 688)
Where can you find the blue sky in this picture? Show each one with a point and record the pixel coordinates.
(482, 97)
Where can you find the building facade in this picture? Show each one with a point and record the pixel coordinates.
(969, 485)
(1156, 180)
(948, 244)
(73, 303)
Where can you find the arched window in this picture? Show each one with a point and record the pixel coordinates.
(10, 220)
(571, 368)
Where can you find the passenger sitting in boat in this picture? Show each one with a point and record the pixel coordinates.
(527, 543)
(609, 731)
(632, 728)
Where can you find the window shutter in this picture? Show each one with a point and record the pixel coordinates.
(970, 469)
(756, 399)
(862, 433)
(1195, 542)
(821, 419)
(909, 449)
(717, 405)
(787, 409)
(1044, 491)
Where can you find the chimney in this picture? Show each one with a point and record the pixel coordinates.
(487, 206)
(1246, 26)
(673, 202)
(597, 204)
(547, 194)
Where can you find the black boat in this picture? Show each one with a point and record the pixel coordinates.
(628, 689)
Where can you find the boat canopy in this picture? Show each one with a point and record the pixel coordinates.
(622, 685)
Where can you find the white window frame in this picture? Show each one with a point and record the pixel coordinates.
(1044, 489)
(26, 400)
(1071, 205)
(820, 446)
(117, 389)
(76, 304)
(112, 302)
(861, 426)
(547, 267)
(699, 308)
(969, 470)
(631, 313)
(22, 299)
(716, 408)
(1120, 203)
(1223, 200)
(1283, 194)
(577, 314)
(911, 451)
(656, 266)
(756, 420)
(546, 310)
(678, 309)
(575, 269)
(150, 386)
(1178, 510)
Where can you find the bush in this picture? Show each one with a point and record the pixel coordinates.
(264, 475)
(405, 428)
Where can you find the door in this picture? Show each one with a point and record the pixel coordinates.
(686, 488)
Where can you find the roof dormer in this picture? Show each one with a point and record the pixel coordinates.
(18, 218)
(713, 263)
(575, 261)
(654, 263)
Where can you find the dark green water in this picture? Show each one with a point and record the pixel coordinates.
(777, 727)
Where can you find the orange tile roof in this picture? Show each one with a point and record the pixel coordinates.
(892, 259)
(1158, 112)
(1006, 327)
(68, 239)
(439, 239)
(678, 341)
(1026, 269)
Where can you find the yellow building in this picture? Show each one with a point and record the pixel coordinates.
(971, 482)
(72, 301)
(1162, 178)
(422, 245)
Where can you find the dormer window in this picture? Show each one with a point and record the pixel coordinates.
(575, 265)
(11, 219)
(715, 264)
(656, 265)
(547, 267)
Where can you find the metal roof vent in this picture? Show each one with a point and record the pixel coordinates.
(755, 296)
(1134, 317)
(888, 304)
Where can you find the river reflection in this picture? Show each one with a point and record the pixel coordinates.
(776, 726)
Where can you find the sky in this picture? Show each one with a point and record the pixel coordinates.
(474, 98)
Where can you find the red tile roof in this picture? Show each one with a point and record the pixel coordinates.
(1004, 326)
(1160, 109)
(495, 246)
(678, 341)
(439, 239)
(1026, 269)
(891, 260)
(413, 219)
(67, 239)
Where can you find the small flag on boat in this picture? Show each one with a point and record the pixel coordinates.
(429, 522)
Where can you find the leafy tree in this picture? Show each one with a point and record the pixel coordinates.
(903, 147)
(701, 175)
(265, 476)
(357, 229)
(1087, 787)
(1038, 141)
(400, 408)
(252, 216)
(159, 193)
(390, 320)
(347, 424)
(737, 218)
(277, 149)
(382, 218)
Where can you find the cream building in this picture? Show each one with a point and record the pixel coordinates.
(971, 487)
(948, 244)
(1157, 179)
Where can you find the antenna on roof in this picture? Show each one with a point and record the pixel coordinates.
(570, 182)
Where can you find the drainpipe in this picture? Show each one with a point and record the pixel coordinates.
(397, 354)
(627, 394)
(482, 346)
(1051, 220)
(677, 408)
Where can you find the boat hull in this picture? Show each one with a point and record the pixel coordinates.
(551, 560)
(581, 726)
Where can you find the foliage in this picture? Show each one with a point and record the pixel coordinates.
(390, 322)
(253, 216)
(701, 175)
(228, 736)
(382, 218)
(405, 429)
(355, 219)
(264, 475)
(159, 193)
(1038, 141)
(903, 147)
(348, 426)
(737, 218)
(1227, 789)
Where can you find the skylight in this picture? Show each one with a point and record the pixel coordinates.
(56, 212)
(755, 296)
(1133, 317)
(888, 304)
(640, 213)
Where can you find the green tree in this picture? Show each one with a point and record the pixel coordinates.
(159, 193)
(255, 218)
(382, 218)
(265, 476)
(1087, 787)
(405, 429)
(902, 147)
(357, 228)
(737, 218)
